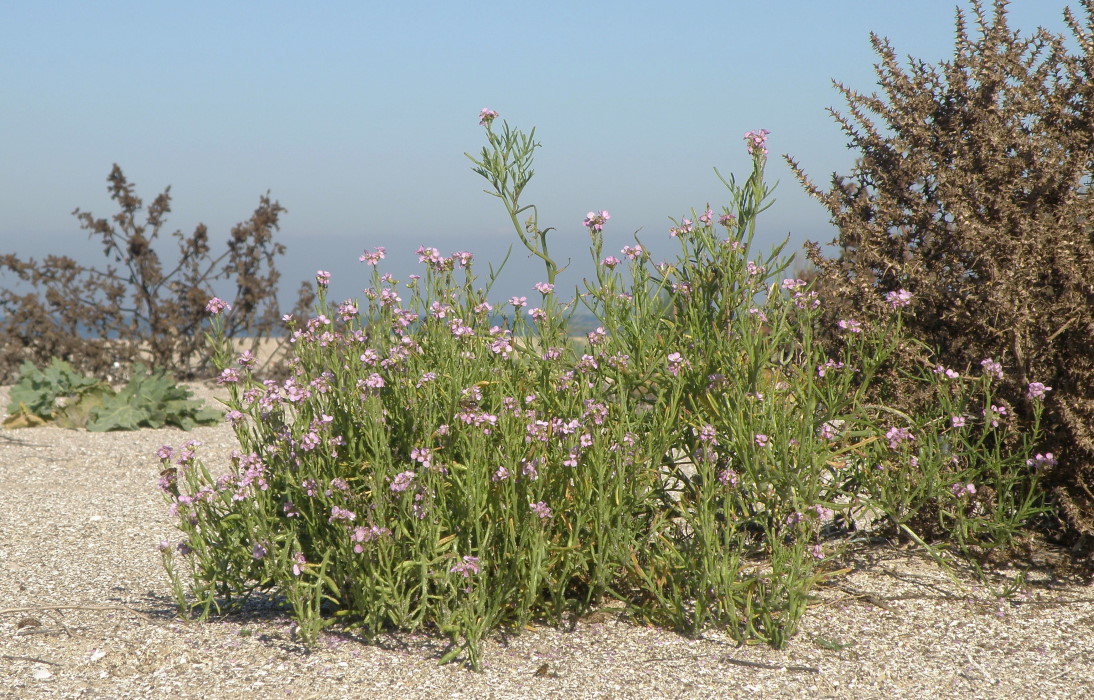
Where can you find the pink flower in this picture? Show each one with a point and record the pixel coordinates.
(374, 257)
(422, 456)
(541, 509)
(676, 361)
(896, 436)
(708, 434)
(469, 565)
(994, 414)
(544, 288)
(899, 299)
(685, 227)
(459, 328)
(947, 373)
(401, 482)
(374, 381)
(322, 278)
(992, 368)
(830, 364)
(1041, 460)
(430, 256)
(610, 262)
(961, 490)
(486, 116)
(758, 314)
(347, 310)
(366, 534)
(594, 220)
(1037, 390)
(215, 306)
(502, 347)
(757, 141)
(762, 440)
(337, 513)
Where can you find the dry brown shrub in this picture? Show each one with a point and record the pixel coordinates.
(972, 192)
(139, 308)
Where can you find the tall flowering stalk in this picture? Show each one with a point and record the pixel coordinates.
(506, 163)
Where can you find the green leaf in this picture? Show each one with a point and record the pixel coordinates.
(39, 390)
(78, 412)
(115, 414)
(207, 416)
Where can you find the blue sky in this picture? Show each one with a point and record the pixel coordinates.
(356, 116)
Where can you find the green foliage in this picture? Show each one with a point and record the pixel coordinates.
(61, 396)
(694, 458)
(151, 400)
(42, 395)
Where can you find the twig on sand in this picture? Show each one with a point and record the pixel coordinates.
(745, 663)
(772, 667)
(44, 608)
(17, 441)
(33, 659)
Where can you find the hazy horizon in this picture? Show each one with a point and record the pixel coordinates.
(356, 116)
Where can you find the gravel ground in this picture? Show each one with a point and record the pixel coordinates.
(85, 612)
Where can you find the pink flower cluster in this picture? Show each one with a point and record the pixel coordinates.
(992, 368)
(467, 567)
(1041, 460)
(757, 141)
(373, 258)
(486, 116)
(216, 306)
(899, 299)
(595, 220)
(896, 436)
(1037, 390)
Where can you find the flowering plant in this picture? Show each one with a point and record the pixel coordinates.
(428, 466)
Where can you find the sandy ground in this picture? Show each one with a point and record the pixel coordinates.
(85, 612)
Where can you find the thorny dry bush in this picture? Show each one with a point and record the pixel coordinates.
(141, 307)
(972, 192)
